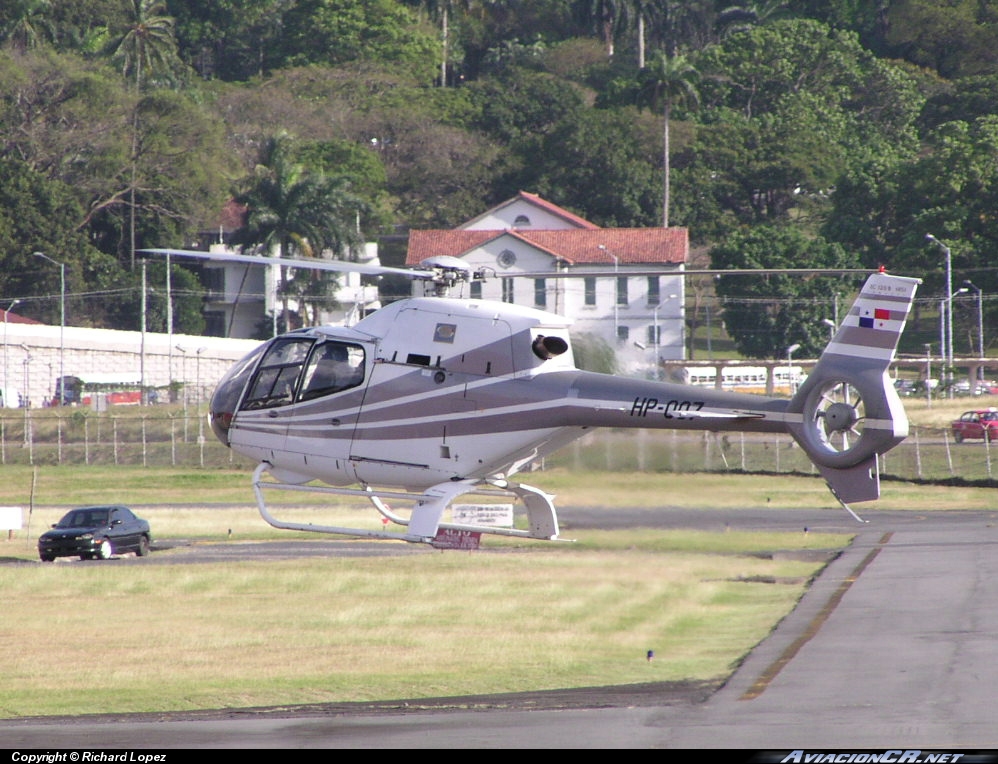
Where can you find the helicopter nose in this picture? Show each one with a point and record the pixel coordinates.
(229, 392)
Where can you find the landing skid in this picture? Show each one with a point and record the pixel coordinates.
(424, 522)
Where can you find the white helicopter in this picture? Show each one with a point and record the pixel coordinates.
(432, 398)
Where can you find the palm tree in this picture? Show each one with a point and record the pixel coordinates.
(607, 16)
(442, 10)
(29, 25)
(297, 213)
(145, 46)
(668, 80)
(738, 18)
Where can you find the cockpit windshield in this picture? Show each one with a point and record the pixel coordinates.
(286, 370)
(277, 374)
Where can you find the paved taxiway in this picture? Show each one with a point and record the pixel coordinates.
(894, 646)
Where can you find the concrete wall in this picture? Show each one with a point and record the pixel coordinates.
(31, 358)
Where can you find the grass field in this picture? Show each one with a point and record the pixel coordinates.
(518, 615)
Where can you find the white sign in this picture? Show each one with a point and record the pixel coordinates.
(10, 518)
(498, 515)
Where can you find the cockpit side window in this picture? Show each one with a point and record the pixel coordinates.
(277, 375)
(333, 367)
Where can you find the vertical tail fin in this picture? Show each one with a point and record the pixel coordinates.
(850, 412)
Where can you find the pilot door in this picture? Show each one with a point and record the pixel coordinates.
(260, 427)
(300, 408)
(326, 406)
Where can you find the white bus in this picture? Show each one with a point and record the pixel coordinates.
(747, 379)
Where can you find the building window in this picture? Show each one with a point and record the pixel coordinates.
(215, 323)
(654, 291)
(507, 290)
(506, 258)
(540, 293)
(654, 335)
(623, 332)
(521, 220)
(622, 290)
(590, 287)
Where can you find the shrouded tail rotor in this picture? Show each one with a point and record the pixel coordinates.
(838, 416)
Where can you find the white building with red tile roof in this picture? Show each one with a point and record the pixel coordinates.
(632, 296)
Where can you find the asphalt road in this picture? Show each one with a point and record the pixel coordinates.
(894, 646)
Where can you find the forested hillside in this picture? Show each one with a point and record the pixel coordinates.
(810, 133)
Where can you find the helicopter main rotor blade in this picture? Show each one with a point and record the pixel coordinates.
(314, 264)
(629, 271)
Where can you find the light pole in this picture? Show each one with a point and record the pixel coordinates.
(948, 348)
(946, 338)
(62, 323)
(183, 373)
(980, 326)
(616, 291)
(197, 401)
(790, 369)
(928, 374)
(6, 384)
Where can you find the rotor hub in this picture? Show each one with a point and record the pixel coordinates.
(840, 417)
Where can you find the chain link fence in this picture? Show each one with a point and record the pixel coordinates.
(160, 437)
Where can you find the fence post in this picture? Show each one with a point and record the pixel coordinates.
(949, 454)
(918, 456)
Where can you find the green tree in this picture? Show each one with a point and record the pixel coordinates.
(950, 190)
(171, 184)
(38, 214)
(956, 38)
(788, 108)
(232, 40)
(668, 81)
(606, 17)
(27, 24)
(600, 165)
(297, 213)
(145, 46)
(333, 32)
(766, 314)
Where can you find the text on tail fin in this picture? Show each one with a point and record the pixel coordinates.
(874, 323)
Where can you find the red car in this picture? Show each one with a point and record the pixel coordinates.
(976, 424)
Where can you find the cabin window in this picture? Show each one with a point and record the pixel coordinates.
(332, 368)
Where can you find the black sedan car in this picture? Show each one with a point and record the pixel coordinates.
(96, 533)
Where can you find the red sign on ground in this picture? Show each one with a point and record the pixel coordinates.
(452, 538)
